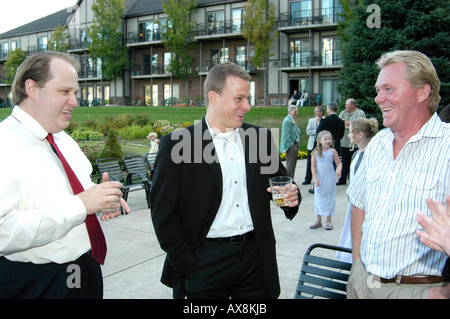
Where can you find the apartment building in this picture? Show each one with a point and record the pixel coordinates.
(305, 56)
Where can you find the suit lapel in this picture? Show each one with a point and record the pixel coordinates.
(209, 153)
(249, 167)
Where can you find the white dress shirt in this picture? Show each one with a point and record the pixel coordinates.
(392, 192)
(41, 220)
(233, 217)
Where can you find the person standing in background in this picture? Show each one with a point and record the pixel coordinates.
(350, 113)
(311, 130)
(290, 136)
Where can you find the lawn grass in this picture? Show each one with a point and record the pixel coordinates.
(268, 117)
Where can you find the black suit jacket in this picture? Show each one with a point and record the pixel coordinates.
(187, 192)
(335, 125)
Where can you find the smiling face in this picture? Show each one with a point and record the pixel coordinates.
(398, 101)
(226, 111)
(326, 140)
(55, 101)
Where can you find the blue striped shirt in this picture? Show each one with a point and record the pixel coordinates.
(393, 191)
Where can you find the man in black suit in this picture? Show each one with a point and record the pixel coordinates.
(211, 201)
(334, 125)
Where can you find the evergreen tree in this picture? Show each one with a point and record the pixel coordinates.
(404, 25)
(112, 147)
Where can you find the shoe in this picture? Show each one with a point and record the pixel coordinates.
(315, 225)
(311, 191)
(329, 226)
(306, 183)
(340, 183)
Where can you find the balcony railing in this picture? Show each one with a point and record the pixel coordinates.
(245, 64)
(219, 28)
(323, 58)
(77, 44)
(137, 37)
(308, 17)
(148, 69)
(90, 73)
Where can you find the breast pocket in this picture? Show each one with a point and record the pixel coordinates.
(421, 181)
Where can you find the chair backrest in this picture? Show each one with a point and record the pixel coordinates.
(112, 167)
(151, 157)
(323, 277)
(136, 164)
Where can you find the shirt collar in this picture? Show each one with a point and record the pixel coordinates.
(29, 123)
(221, 135)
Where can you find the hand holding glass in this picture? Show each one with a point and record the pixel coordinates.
(280, 186)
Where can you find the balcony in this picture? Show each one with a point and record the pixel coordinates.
(219, 29)
(140, 39)
(78, 45)
(90, 74)
(324, 59)
(147, 70)
(316, 18)
(245, 64)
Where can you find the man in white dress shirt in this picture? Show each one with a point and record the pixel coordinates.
(43, 235)
(404, 164)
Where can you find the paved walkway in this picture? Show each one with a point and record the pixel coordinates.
(134, 262)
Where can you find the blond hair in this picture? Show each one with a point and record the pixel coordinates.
(319, 147)
(420, 72)
(217, 76)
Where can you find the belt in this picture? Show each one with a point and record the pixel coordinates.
(238, 239)
(412, 280)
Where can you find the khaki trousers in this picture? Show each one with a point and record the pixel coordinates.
(362, 285)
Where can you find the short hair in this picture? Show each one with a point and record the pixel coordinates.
(333, 106)
(420, 71)
(351, 101)
(292, 107)
(217, 76)
(321, 109)
(37, 68)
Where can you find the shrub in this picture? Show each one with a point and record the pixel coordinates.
(112, 147)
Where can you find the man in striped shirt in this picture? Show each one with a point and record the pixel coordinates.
(404, 164)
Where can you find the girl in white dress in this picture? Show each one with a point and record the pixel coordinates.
(324, 174)
(360, 133)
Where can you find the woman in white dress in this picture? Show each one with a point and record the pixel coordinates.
(360, 133)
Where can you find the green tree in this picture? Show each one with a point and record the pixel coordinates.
(15, 58)
(107, 37)
(258, 28)
(59, 41)
(112, 147)
(404, 25)
(178, 35)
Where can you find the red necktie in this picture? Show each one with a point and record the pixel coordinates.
(98, 242)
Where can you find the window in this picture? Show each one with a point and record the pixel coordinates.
(219, 56)
(300, 12)
(3, 51)
(167, 59)
(299, 53)
(241, 56)
(329, 91)
(215, 22)
(331, 10)
(237, 20)
(331, 51)
(42, 44)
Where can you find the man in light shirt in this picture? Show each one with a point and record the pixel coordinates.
(43, 234)
(210, 200)
(403, 165)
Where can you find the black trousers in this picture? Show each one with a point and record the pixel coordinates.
(225, 270)
(81, 279)
(346, 154)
